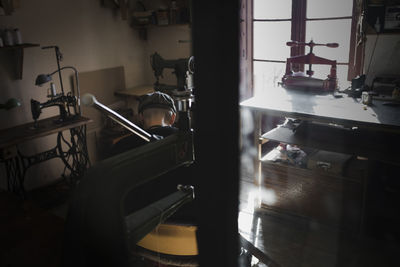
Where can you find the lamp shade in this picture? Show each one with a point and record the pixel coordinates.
(42, 79)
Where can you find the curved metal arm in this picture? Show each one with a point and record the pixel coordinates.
(77, 83)
(90, 100)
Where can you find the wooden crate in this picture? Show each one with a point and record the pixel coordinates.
(320, 196)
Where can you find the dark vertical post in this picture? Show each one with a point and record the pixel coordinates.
(58, 57)
(216, 119)
(299, 14)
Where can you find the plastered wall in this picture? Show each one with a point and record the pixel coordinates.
(91, 38)
(382, 56)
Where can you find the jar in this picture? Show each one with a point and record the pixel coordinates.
(8, 38)
(17, 37)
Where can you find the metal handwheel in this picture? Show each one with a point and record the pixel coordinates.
(73, 153)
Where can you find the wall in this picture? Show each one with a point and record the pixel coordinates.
(385, 60)
(90, 37)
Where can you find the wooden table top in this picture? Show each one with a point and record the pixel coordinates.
(135, 92)
(21, 133)
(278, 101)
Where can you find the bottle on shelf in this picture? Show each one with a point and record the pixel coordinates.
(17, 37)
(7, 37)
(173, 13)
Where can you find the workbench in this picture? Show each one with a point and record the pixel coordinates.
(337, 124)
(72, 152)
(135, 92)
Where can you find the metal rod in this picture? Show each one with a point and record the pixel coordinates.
(330, 18)
(281, 61)
(90, 100)
(59, 68)
(270, 20)
(264, 258)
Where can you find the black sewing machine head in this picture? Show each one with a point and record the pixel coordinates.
(183, 69)
(63, 102)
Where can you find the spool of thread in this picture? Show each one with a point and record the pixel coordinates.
(52, 90)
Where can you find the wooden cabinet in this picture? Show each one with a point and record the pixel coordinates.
(322, 197)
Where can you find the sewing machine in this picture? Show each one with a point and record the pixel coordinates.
(63, 102)
(183, 70)
(297, 80)
(182, 92)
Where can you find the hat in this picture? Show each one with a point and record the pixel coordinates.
(156, 100)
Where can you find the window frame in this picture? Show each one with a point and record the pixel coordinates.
(298, 33)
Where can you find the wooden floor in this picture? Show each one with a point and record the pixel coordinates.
(288, 240)
(293, 241)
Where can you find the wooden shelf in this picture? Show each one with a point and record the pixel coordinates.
(142, 29)
(135, 92)
(342, 140)
(352, 168)
(27, 45)
(316, 195)
(17, 51)
(158, 26)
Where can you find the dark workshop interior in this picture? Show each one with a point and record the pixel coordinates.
(278, 143)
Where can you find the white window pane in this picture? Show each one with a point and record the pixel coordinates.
(267, 74)
(330, 31)
(322, 72)
(272, 9)
(270, 40)
(329, 8)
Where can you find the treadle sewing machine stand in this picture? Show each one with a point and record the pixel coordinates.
(72, 152)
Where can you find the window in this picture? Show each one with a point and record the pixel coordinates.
(277, 21)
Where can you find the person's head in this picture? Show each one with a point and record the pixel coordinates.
(157, 109)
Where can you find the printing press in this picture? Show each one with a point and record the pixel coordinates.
(298, 80)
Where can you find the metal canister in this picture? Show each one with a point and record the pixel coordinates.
(366, 98)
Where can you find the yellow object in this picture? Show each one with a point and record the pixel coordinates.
(396, 93)
(172, 239)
